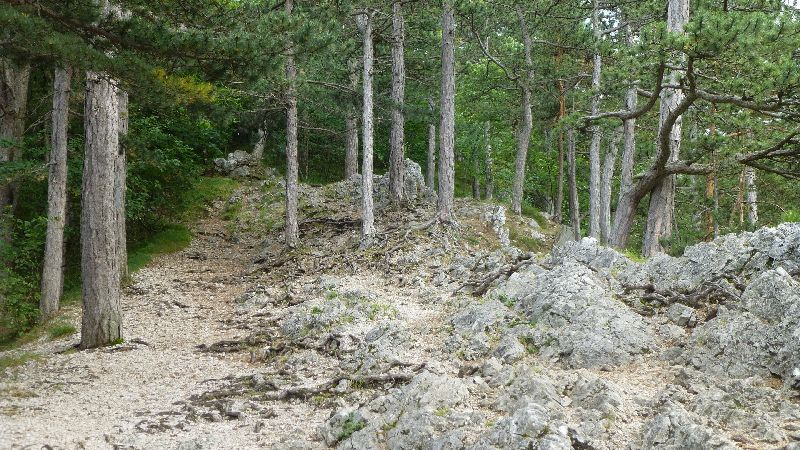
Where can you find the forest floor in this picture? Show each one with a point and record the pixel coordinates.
(432, 338)
(182, 334)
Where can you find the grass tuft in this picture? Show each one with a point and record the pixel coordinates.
(17, 360)
(61, 329)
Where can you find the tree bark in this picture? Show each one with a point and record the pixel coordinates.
(752, 197)
(430, 167)
(628, 145)
(14, 102)
(53, 271)
(487, 136)
(605, 189)
(430, 173)
(364, 21)
(447, 127)
(120, 184)
(476, 182)
(595, 189)
(292, 234)
(100, 271)
(258, 149)
(524, 135)
(351, 125)
(574, 206)
(397, 166)
(662, 197)
(562, 111)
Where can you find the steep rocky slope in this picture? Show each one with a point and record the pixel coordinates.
(433, 339)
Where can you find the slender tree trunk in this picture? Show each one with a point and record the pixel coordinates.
(120, 185)
(752, 197)
(605, 189)
(562, 111)
(447, 128)
(261, 142)
(628, 145)
(524, 135)
(430, 169)
(351, 124)
(397, 165)
(100, 271)
(660, 215)
(595, 195)
(487, 136)
(574, 206)
(292, 234)
(711, 190)
(364, 21)
(53, 271)
(14, 102)
(476, 182)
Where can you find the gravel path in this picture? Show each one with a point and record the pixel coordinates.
(94, 399)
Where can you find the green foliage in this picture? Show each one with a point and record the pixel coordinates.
(790, 215)
(350, 426)
(20, 275)
(166, 157)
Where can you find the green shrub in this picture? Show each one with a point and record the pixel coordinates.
(790, 215)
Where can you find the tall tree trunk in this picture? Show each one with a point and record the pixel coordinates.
(261, 142)
(524, 135)
(292, 234)
(662, 198)
(120, 184)
(487, 136)
(711, 191)
(14, 102)
(100, 272)
(562, 112)
(430, 169)
(574, 206)
(351, 125)
(628, 144)
(752, 197)
(476, 181)
(53, 271)
(448, 108)
(364, 21)
(397, 165)
(595, 195)
(605, 188)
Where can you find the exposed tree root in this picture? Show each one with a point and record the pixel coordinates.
(483, 285)
(360, 381)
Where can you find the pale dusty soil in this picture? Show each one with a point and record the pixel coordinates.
(86, 399)
(143, 394)
(133, 395)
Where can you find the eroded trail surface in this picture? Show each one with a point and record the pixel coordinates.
(433, 338)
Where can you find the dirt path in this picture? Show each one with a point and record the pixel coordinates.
(296, 319)
(93, 399)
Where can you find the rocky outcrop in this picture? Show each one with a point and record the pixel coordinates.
(759, 335)
(575, 318)
(237, 164)
(414, 188)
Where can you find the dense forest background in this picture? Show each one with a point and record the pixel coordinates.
(205, 78)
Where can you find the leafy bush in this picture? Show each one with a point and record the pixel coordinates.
(20, 275)
(790, 215)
